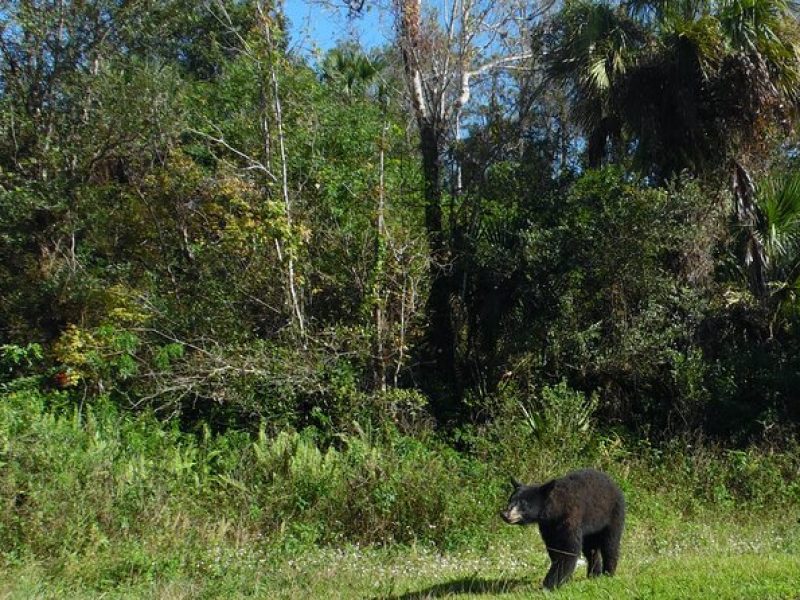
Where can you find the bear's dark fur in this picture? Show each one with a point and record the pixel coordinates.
(584, 511)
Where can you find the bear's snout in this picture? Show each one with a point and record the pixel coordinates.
(511, 515)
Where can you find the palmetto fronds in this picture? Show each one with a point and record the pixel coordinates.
(350, 69)
(779, 204)
(681, 81)
(592, 48)
(763, 29)
(779, 201)
(596, 43)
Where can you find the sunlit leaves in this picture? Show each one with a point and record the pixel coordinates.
(779, 201)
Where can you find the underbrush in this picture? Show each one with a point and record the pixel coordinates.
(117, 497)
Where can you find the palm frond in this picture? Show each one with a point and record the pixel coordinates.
(751, 24)
(350, 69)
(779, 201)
(598, 75)
(770, 30)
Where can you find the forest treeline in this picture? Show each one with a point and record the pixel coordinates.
(590, 207)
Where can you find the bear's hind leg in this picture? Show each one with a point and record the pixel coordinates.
(609, 548)
(591, 550)
(612, 536)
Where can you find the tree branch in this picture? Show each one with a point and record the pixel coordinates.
(254, 164)
(466, 91)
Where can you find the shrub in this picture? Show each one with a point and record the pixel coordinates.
(97, 481)
(537, 434)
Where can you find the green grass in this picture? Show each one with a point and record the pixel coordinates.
(105, 504)
(674, 560)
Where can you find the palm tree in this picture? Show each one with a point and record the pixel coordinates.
(778, 199)
(350, 70)
(593, 44)
(691, 84)
(686, 85)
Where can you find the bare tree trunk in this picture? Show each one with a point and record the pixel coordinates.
(596, 147)
(379, 351)
(289, 251)
(440, 333)
(459, 182)
(439, 64)
(401, 343)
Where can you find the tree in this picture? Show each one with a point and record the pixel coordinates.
(701, 88)
(778, 199)
(443, 53)
(261, 52)
(689, 84)
(350, 70)
(592, 46)
(80, 110)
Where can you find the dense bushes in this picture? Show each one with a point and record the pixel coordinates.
(615, 288)
(203, 254)
(625, 302)
(75, 482)
(624, 311)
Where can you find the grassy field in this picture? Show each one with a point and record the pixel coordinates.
(103, 505)
(676, 560)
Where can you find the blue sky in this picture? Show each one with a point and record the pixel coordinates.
(316, 28)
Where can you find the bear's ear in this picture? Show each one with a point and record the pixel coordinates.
(515, 483)
(546, 487)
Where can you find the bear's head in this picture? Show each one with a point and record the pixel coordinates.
(526, 503)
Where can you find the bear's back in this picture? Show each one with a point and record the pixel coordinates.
(587, 498)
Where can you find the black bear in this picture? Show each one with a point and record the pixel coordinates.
(582, 511)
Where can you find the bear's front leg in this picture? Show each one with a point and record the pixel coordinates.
(564, 547)
(561, 569)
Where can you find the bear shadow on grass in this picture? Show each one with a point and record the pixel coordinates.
(464, 585)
